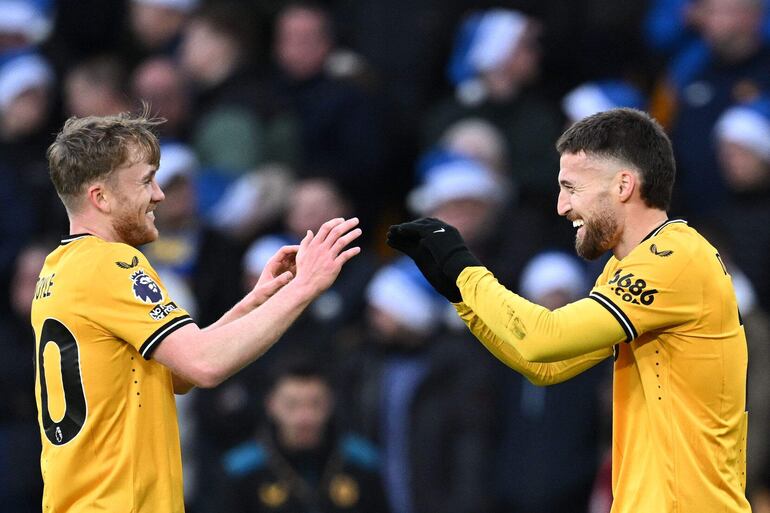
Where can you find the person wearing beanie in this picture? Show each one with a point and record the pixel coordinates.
(422, 396)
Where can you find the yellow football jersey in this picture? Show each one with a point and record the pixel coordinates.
(679, 391)
(106, 410)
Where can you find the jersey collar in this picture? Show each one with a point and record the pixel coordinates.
(74, 237)
(657, 230)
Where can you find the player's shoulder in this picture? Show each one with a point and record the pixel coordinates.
(96, 255)
(674, 243)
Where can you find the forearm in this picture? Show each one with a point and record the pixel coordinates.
(236, 312)
(540, 374)
(533, 332)
(225, 349)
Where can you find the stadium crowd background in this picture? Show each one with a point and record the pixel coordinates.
(282, 115)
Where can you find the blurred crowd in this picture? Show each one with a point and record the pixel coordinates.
(281, 115)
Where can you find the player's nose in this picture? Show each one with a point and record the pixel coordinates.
(562, 204)
(157, 193)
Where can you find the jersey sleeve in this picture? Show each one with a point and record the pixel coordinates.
(651, 289)
(536, 333)
(131, 302)
(540, 374)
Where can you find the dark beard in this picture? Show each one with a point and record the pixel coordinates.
(599, 237)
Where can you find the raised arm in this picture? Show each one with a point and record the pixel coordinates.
(205, 358)
(531, 331)
(536, 333)
(540, 374)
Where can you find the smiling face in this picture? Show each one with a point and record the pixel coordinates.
(135, 194)
(585, 199)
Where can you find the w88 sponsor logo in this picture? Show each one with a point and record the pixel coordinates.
(632, 290)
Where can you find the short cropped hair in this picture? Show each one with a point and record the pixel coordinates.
(91, 148)
(633, 137)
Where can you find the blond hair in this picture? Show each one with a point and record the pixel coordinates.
(91, 148)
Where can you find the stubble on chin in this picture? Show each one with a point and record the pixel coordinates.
(134, 233)
(599, 236)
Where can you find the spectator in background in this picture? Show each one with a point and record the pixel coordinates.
(20, 483)
(159, 82)
(423, 397)
(730, 65)
(539, 468)
(322, 330)
(325, 321)
(157, 24)
(28, 203)
(464, 190)
(187, 248)
(299, 462)
(593, 97)
(96, 87)
(23, 24)
(238, 124)
(340, 124)
(742, 136)
(496, 61)
(669, 25)
(254, 203)
(482, 141)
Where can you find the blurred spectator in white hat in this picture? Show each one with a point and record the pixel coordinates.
(537, 470)
(593, 97)
(742, 136)
(23, 24)
(28, 203)
(26, 83)
(494, 66)
(423, 394)
(465, 193)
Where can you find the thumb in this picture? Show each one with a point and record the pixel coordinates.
(275, 284)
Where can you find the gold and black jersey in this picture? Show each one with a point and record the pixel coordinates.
(107, 413)
(668, 313)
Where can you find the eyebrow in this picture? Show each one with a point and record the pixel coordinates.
(150, 174)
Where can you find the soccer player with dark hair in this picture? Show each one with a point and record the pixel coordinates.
(112, 347)
(664, 307)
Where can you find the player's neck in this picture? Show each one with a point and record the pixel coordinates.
(83, 224)
(637, 226)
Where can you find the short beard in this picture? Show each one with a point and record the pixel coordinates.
(131, 232)
(600, 235)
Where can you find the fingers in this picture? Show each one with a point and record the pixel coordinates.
(287, 251)
(346, 255)
(282, 260)
(346, 239)
(329, 225)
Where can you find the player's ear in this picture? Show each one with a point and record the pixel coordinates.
(627, 182)
(98, 196)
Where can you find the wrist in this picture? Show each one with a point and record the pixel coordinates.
(458, 260)
(302, 290)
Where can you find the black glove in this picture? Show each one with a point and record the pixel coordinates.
(425, 263)
(428, 237)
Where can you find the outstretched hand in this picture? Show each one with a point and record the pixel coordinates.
(438, 250)
(321, 256)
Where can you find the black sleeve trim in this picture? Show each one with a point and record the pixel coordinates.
(157, 337)
(617, 313)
